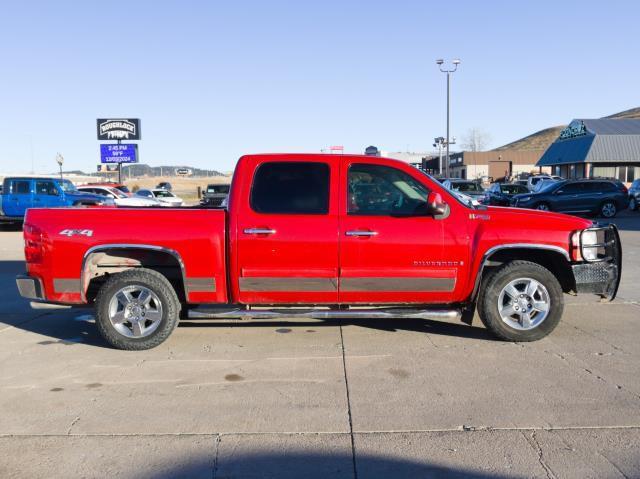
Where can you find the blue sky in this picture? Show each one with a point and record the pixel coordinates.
(213, 80)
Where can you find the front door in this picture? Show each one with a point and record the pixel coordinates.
(18, 198)
(287, 233)
(47, 195)
(570, 198)
(390, 250)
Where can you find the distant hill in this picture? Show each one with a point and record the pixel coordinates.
(541, 140)
(141, 169)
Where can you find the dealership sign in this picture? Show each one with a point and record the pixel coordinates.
(121, 153)
(575, 129)
(118, 129)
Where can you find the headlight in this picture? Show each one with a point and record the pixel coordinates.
(588, 245)
(524, 199)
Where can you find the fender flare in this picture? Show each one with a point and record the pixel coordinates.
(84, 283)
(495, 249)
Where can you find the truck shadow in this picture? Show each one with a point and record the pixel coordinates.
(296, 464)
(10, 226)
(387, 324)
(627, 221)
(76, 326)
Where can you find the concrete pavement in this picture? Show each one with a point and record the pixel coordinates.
(322, 399)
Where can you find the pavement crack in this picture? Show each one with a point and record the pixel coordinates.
(533, 442)
(73, 423)
(614, 465)
(214, 471)
(346, 384)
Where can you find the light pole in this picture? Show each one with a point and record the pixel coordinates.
(60, 160)
(455, 63)
(439, 141)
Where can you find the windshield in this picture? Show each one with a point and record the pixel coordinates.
(475, 187)
(547, 186)
(468, 202)
(123, 188)
(67, 186)
(163, 194)
(116, 192)
(513, 189)
(218, 189)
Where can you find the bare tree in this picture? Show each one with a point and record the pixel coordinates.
(476, 139)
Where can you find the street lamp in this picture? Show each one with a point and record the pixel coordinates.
(60, 160)
(448, 71)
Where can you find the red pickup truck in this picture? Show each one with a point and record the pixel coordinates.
(318, 236)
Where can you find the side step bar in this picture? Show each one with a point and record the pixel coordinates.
(400, 313)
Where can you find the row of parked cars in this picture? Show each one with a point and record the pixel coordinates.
(20, 193)
(596, 197)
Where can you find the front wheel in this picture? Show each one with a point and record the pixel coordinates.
(543, 207)
(521, 301)
(136, 309)
(633, 204)
(608, 209)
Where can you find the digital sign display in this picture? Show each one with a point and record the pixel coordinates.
(121, 153)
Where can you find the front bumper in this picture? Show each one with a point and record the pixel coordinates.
(602, 276)
(30, 288)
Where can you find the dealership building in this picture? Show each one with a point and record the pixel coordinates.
(603, 148)
(494, 164)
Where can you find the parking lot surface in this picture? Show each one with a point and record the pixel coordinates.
(366, 399)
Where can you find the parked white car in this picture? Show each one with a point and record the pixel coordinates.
(533, 180)
(119, 198)
(162, 195)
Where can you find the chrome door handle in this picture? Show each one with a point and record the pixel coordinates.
(361, 233)
(259, 231)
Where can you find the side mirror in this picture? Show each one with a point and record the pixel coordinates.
(437, 206)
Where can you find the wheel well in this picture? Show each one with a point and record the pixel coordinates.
(99, 265)
(552, 260)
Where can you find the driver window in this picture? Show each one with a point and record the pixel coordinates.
(383, 191)
(46, 188)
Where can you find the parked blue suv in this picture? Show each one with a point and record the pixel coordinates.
(595, 197)
(20, 193)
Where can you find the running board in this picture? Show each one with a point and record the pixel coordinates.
(435, 314)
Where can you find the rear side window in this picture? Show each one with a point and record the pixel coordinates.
(291, 188)
(572, 188)
(20, 187)
(601, 186)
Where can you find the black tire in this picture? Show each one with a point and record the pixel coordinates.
(156, 283)
(608, 209)
(543, 206)
(501, 277)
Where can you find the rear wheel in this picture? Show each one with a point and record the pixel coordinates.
(136, 309)
(543, 207)
(608, 209)
(521, 301)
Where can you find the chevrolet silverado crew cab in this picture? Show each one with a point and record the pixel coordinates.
(318, 236)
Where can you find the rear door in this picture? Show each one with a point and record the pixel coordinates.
(18, 198)
(287, 227)
(390, 251)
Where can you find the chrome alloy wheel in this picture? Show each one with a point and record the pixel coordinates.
(135, 311)
(524, 304)
(543, 207)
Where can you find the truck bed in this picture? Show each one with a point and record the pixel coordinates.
(79, 244)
